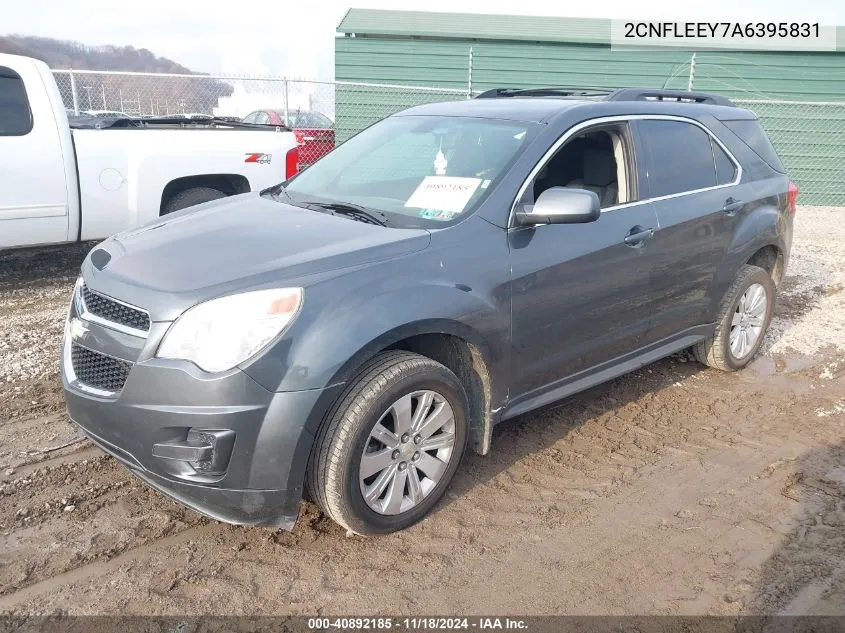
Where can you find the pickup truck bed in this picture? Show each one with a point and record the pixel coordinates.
(91, 178)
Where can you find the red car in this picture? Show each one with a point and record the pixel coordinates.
(314, 131)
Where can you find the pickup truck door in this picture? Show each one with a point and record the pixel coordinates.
(34, 185)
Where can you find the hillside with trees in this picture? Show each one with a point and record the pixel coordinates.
(131, 94)
(62, 54)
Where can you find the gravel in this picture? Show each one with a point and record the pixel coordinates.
(814, 287)
(35, 287)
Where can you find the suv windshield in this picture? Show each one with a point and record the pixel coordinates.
(416, 170)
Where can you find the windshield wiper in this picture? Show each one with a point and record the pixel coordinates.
(354, 211)
(279, 191)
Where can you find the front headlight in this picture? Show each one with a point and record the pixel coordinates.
(222, 333)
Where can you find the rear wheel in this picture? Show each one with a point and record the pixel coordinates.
(744, 317)
(191, 197)
(391, 445)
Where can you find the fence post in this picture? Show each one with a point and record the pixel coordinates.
(287, 121)
(691, 73)
(469, 75)
(73, 93)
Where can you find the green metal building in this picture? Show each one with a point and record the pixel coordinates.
(468, 53)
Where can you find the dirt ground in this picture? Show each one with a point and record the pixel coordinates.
(673, 490)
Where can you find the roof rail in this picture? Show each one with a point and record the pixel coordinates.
(551, 91)
(681, 96)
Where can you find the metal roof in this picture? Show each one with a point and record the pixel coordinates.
(480, 26)
(475, 26)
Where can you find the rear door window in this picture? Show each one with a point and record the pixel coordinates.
(678, 157)
(15, 113)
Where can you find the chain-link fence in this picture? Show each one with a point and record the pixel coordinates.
(810, 139)
(320, 113)
(809, 136)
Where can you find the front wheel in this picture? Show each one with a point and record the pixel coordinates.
(391, 445)
(744, 317)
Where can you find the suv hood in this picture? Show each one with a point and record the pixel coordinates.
(233, 244)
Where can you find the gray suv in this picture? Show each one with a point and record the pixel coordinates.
(347, 334)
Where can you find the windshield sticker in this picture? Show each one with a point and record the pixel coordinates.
(485, 184)
(434, 214)
(443, 193)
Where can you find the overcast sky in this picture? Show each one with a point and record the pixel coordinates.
(296, 37)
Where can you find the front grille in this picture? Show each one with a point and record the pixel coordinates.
(114, 311)
(98, 370)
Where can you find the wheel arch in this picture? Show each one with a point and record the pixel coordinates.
(761, 238)
(454, 345)
(230, 184)
(771, 259)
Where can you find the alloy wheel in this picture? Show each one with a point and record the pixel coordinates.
(747, 321)
(407, 452)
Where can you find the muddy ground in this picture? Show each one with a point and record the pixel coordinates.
(674, 490)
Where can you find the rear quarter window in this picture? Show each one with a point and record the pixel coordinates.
(751, 133)
(15, 113)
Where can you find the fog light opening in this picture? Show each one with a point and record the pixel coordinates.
(216, 461)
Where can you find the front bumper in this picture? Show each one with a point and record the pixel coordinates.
(259, 475)
(276, 508)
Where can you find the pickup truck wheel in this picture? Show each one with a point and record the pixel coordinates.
(390, 445)
(744, 317)
(190, 198)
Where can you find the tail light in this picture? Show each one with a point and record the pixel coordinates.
(291, 162)
(792, 197)
(300, 140)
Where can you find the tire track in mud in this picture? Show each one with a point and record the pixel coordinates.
(549, 473)
(99, 567)
(86, 451)
(81, 510)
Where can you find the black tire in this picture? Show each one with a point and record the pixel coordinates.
(333, 480)
(715, 351)
(191, 197)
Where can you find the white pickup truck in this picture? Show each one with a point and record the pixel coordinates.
(59, 184)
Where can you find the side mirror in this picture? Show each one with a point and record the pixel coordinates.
(561, 205)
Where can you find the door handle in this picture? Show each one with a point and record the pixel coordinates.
(638, 235)
(731, 206)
